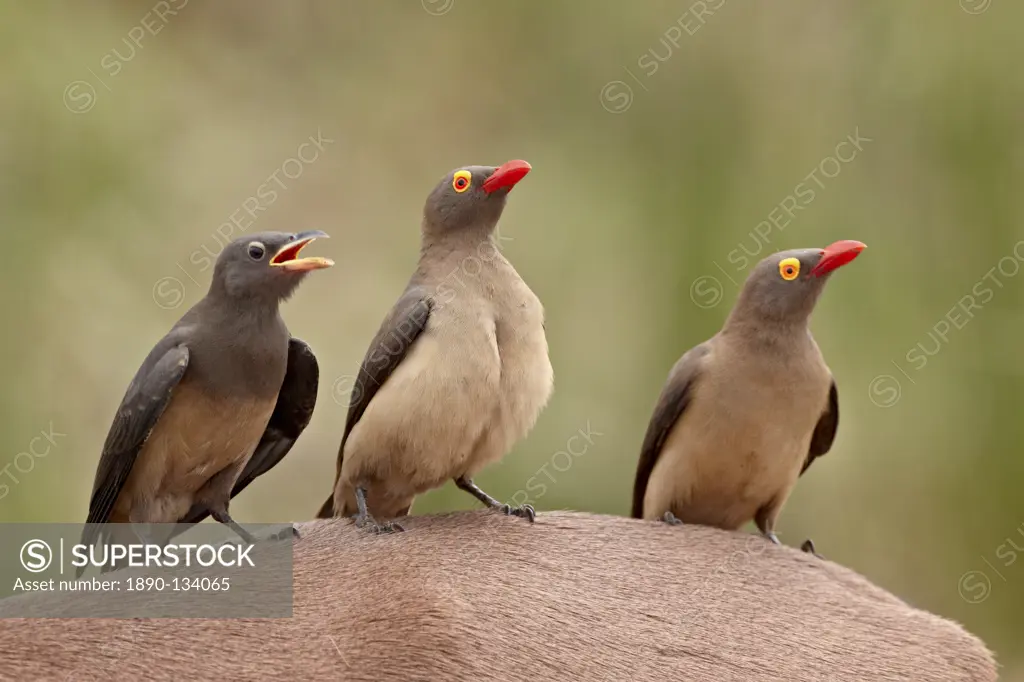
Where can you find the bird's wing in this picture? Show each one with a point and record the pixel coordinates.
(675, 398)
(294, 409)
(146, 399)
(397, 334)
(825, 431)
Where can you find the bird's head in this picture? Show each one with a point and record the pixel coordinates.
(785, 286)
(266, 266)
(471, 197)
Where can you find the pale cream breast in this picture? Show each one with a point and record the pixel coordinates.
(471, 386)
(527, 378)
(421, 425)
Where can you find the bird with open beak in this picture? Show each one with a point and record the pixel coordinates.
(744, 414)
(458, 371)
(219, 400)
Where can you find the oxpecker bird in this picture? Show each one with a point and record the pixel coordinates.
(745, 413)
(219, 400)
(458, 371)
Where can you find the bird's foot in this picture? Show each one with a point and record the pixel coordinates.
(386, 527)
(367, 522)
(364, 520)
(770, 536)
(222, 516)
(670, 518)
(289, 533)
(808, 546)
(524, 511)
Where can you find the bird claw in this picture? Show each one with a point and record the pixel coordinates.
(525, 511)
(375, 528)
(386, 527)
(670, 518)
(808, 547)
(285, 534)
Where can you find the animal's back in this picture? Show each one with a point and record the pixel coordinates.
(475, 595)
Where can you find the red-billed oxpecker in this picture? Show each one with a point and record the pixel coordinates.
(744, 414)
(458, 371)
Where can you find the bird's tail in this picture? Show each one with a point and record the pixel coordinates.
(92, 534)
(327, 509)
(98, 538)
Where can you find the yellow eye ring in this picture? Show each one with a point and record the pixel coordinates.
(789, 268)
(462, 180)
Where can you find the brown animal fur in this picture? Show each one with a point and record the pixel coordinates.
(480, 596)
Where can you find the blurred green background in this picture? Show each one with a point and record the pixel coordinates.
(670, 143)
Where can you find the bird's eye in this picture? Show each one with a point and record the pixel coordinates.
(789, 269)
(462, 180)
(256, 250)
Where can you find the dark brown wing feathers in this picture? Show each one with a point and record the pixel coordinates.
(672, 403)
(825, 432)
(396, 335)
(146, 399)
(295, 403)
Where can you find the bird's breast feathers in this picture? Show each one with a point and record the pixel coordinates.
(197, 437)
(479, 367)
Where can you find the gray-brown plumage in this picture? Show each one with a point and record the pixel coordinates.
(183, 440)
(292, 412)
(458, 371)
(745, 413)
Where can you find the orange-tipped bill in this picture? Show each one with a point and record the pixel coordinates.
(288, 257)
(837, 255)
